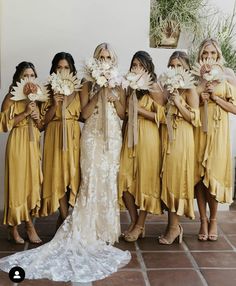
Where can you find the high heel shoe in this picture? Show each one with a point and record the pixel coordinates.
(213, 236)
(138, 231)
(32, 235)
(14, 237)
(130, 228)
(179, 237)
(203, 236)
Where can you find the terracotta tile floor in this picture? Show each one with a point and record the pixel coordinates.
(192, 263)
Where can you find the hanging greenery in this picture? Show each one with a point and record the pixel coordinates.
(169, 17)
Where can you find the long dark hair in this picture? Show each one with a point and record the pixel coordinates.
(20, 68)
(63, 56)
(146, 61)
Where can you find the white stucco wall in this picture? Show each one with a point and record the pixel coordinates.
(35, 30)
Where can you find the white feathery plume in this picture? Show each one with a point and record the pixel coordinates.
(29, 89)
(138, 79)
(177, 78)
(209, 70)
(103, 73)
(64, 82)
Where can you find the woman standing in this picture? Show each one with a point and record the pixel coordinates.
(61, 167)
(22, 164)
(213, 156)
(100, 155)
(81, 250)
(178, 153)
(140, 165)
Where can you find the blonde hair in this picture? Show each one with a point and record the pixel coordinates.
(213, 42)
(106, 46)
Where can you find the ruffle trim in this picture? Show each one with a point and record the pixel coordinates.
(14, 216)
(51, 204)
(142, 201)
(221, 193)
(179, 206)
(195, 117)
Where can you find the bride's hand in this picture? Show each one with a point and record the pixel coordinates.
(112, 97)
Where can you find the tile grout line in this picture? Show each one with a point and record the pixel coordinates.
(192, 251)
(226, 238)
(81, 284)
(194, 263)
(142, 264)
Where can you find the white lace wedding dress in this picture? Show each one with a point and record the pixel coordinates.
(81, 250)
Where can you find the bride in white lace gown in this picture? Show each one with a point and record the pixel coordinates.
(81, 250)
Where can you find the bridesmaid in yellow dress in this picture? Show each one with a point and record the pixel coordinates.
(140, 165)
(61, 167)
(178, 154)
(213, 176)
(23, 176)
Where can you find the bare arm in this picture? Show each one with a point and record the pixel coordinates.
(192, 100)
(87, 106)
(35, 115)
(158, 96)
(57, 99)
(226, 105)
(146, 114)
(119, 102)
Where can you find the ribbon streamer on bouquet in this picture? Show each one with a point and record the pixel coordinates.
(133, 120)
(205, 117)
(64, 133)
(169, 126)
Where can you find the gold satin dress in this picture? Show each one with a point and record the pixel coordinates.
(213, 150)
(140, 165)
(23, 175)
(61, 168)
(178, 161)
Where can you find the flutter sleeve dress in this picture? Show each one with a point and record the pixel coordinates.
(178, 160)
(23, 175)
(140, 165)
(61, 168)
(213, 150)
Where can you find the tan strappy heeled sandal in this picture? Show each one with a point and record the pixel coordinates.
(212, 236)
(138, 231)
(179, 237)
(203, 236)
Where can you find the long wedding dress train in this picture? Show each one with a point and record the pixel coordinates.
(81, 250)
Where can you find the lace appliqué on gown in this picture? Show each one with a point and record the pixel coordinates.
(81, 250)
